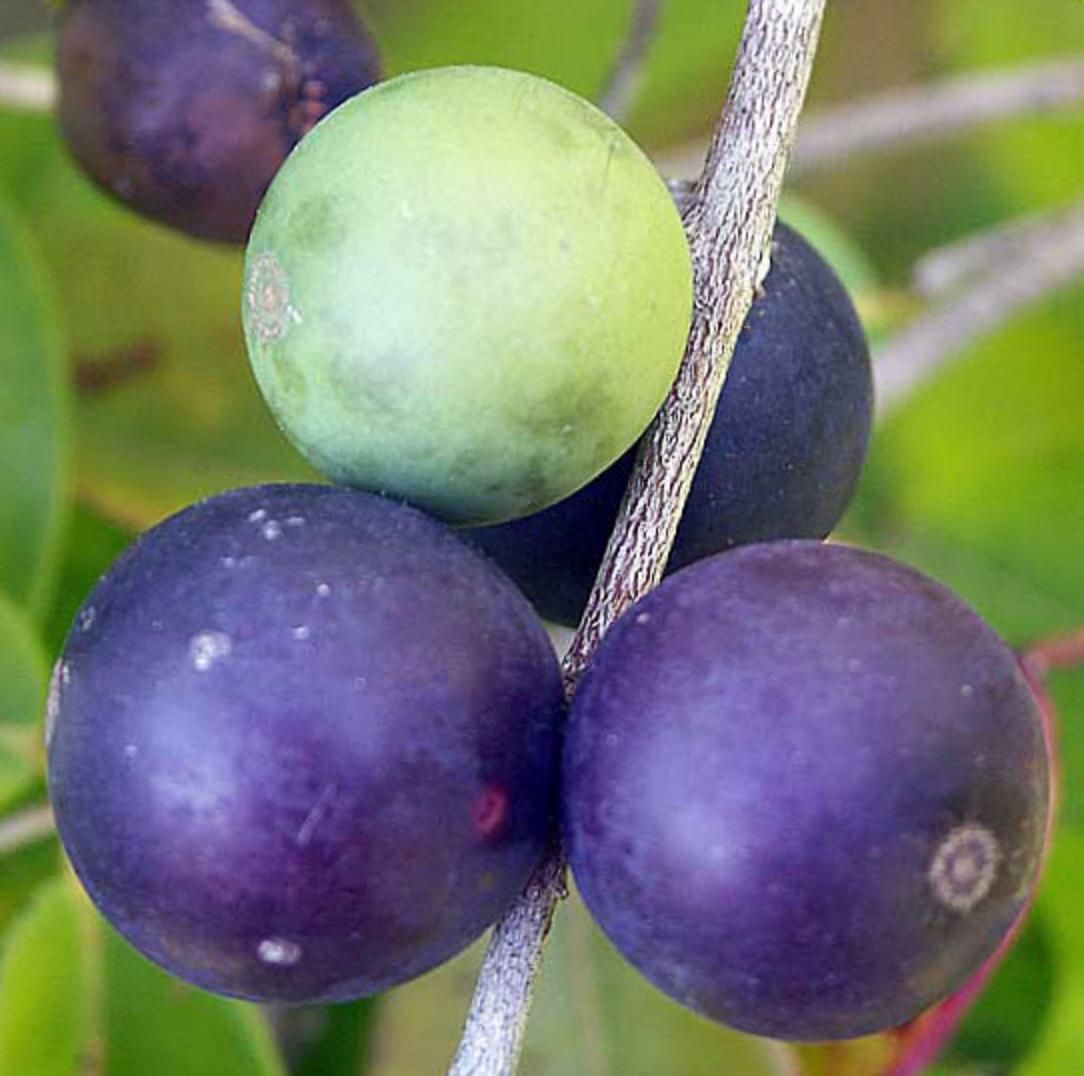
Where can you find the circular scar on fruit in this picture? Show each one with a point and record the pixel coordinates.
(964, 867)
(267, 295)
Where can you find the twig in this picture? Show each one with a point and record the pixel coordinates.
(729, 225)
(29, 827)
(902, 117)
(948, 268)
(830, 137)
(1051, 259)
(27, 87)
(624, 80)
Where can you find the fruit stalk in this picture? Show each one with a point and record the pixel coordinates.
(729, 223)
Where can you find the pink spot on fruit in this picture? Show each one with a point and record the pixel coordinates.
(489, 812)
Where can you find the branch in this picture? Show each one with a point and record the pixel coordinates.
(1047, 256)
(29, 827)
(902, 117)
(949, 268)
(27, 87)
(729, 224)
(624, 80)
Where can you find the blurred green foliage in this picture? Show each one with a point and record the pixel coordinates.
(592, 1015)
(77, 999)
(34, 419)
(124, 394)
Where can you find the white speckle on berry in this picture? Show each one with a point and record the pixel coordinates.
(60, 676)
(87, 617)
(207, 648)
(964, 867)
(279, 951)
(272, 529)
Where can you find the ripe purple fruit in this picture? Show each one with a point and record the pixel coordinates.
(185, 109)
(782, 458)
(302, 743)
(806, 790)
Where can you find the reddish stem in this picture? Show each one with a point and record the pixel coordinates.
(921, 1042)
(1056, 652)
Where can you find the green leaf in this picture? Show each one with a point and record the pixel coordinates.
(93, 543)
(1010, 1015)
(1061, 1042)
(46, 1011)
(978, 482)
(1036, 158)
(593, 1016)
(167, 410)
(573, 44)
(34, 419)
(24, 669)
(25, 137)
(326, 1040)
(687, 71)
(832, 242)
(23, 676)
(154, 1024)
(75, 998)
(596, 1015)
(685, 77)
(22, 873)
(992, 454)
(871, 1055)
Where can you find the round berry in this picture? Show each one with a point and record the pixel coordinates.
(185, 109)
(806, 790)
(782, 458)
(468, 288)
(302, 744)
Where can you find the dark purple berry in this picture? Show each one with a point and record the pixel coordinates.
(783, 453)
(302, 743)
(806, 790)
(185, 109)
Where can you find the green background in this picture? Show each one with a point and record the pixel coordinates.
(125, 395)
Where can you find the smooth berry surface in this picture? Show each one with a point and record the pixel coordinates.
(185, 109)
(302, 743)
(782, 458)
(469, 288)
(806, 790)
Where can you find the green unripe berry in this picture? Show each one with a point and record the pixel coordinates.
(468, 288)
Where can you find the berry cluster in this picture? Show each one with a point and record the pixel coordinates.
(307, 742)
